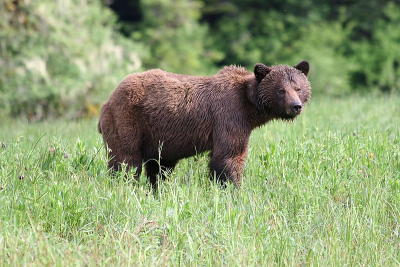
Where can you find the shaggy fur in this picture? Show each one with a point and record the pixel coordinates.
(158, 118)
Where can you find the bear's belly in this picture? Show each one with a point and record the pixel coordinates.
(175, 145)
(176, 131)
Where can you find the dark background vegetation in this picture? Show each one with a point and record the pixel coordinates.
(62, 58)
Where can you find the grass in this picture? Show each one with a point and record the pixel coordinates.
(324, 190)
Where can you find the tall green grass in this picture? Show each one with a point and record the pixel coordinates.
(324, 190)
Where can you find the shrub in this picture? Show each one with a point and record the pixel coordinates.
(60, 57)
(177, 41)
(323, 45)
(379, 58)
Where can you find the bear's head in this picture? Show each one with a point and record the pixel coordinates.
(282, 91)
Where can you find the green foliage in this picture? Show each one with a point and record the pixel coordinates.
(347, 49)
(56, 55)
(379, 59)
(176, 39)
(62, 58)
(322, 45)
(251, 31)
(321, 191)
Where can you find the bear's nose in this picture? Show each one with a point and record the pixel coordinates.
(296, 107)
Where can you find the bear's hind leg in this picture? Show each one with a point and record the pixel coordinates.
(123, 142)
(154, 169)
(118, 156)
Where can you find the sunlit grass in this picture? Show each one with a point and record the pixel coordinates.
(324, 190)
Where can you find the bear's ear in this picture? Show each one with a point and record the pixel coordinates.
(304, 67)
(261, 70)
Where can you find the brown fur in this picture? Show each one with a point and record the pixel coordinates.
(157, 118)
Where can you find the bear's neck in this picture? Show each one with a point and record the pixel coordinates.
(257, 116)
(251, 90)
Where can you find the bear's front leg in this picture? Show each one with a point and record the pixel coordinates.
(228, 168)
(229, 155)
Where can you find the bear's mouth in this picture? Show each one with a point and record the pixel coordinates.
(280, 114)
(288, 116)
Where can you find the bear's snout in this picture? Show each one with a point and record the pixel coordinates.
(296, 108)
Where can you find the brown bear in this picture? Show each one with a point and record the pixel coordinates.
(157, 117)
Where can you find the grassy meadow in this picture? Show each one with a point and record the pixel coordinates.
(323, 190)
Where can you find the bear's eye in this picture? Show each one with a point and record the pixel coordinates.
(281, 92)
(297, 89)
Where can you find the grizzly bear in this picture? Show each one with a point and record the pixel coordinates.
(156, 117)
